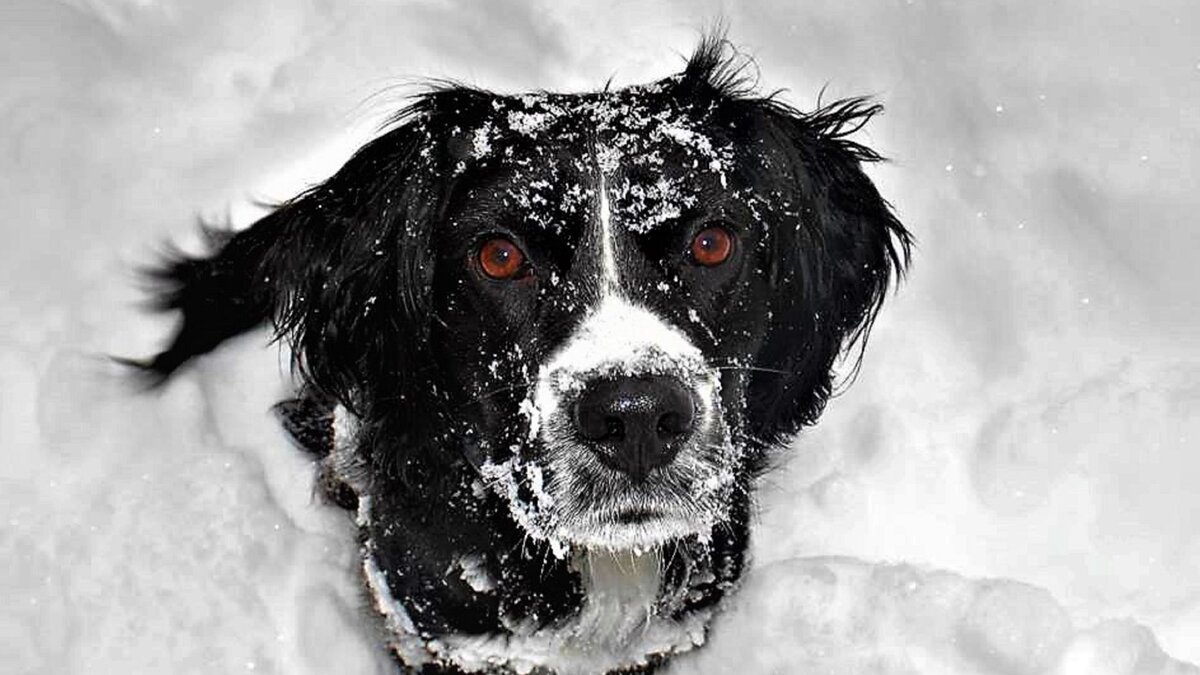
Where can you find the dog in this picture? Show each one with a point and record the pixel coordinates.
(546, 343)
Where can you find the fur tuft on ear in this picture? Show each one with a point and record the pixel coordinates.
(719, 68)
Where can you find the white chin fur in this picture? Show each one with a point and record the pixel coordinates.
(641, 536)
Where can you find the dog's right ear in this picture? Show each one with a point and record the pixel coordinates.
(344, 270)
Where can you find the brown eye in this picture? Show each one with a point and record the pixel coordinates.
(499, 258)
(712, 246)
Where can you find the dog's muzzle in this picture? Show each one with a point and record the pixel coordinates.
(628, 445)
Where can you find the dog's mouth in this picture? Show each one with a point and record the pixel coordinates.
(633, 529)
(574, 502)
(636, 516)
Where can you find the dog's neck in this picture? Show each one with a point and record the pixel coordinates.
(620, 625)
(622, 622)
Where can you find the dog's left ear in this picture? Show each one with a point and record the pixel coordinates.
(834, 253)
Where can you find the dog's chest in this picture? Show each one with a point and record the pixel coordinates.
(617, 625)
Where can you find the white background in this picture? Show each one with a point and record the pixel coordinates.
(1027, 409)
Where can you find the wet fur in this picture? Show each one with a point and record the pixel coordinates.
(351, 274)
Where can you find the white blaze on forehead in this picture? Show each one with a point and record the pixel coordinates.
(608, 256)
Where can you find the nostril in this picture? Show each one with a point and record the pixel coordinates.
(676, 416)
(593, 426)
(597, 423)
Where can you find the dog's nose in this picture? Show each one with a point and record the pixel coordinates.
(636, 423)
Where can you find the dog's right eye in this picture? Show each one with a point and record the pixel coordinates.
(501, 259)
(712, 246)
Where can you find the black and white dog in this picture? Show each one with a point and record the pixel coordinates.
(548, 341)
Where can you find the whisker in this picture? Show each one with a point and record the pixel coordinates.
(757, 369)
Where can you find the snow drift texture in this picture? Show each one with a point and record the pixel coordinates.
(1009, 488)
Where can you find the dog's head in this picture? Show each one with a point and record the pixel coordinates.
(609, 305)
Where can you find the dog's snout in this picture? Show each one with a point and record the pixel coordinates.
(636, 423)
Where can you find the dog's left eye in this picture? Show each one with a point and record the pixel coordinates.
(501, 259)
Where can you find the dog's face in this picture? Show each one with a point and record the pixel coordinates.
(602, 285)
(560, 324)
(608, 305)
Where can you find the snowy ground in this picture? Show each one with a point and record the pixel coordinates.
(1009, 488)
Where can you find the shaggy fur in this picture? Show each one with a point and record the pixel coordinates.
(443, 403)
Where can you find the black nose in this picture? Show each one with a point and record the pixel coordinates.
(636, 423)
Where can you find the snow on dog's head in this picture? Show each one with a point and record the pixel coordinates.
(664, 280)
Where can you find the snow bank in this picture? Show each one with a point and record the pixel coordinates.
(151, 534)
(841, 616)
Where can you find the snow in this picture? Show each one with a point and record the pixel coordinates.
(475, 574)
(841, 615)
(1009, 486)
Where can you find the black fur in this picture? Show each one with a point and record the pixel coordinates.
(363, 276)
